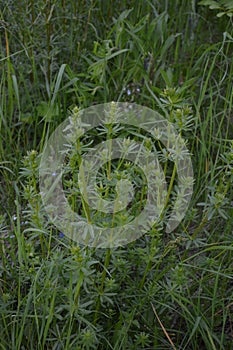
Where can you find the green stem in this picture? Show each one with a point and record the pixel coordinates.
(84, 203)
(101, 289)
(148, 268)
(170, 185)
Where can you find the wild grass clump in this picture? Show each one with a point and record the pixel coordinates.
(164, 290)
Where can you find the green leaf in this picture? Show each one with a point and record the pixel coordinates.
(124, 15)
(58, 82)
(220, 14)
(109, 57)
(228, 4)
(170, 40)
(215, 7)
(209, 3)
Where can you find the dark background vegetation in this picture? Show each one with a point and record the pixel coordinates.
(163, 291)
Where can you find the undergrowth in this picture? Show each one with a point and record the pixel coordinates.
(164, 290)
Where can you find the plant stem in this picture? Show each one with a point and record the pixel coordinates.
(101, 289)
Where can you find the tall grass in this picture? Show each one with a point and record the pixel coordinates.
(163, 291)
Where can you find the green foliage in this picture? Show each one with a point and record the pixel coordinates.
(56, 58)
(225, 7)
